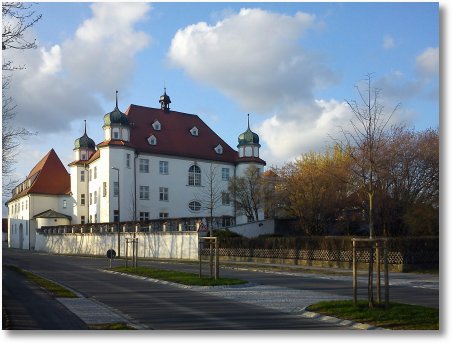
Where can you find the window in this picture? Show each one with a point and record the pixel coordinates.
(115, 189)
(95, 173)
(194, 206)
(128, 161)
(152, 140)
(84, 156)
(90, 218)
(144, 192)
(95, 218)
(26, 204)
(90, 198)
(82, 199)
(194, 176)
(194, 131)
(225, 174)
(163, 194)
(64, 203)
(225, 198)
(163, 215)
(163, 166)
(104, 187)
(95, 197)
(90, 174)
(144, 216)
(115, 216)
(82, 176)
(22, 205)
(219, 149)
(157, 126)
(115, 134)
(82, 220)
(144, 165)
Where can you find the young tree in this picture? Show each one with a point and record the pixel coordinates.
(246, 191)
(367, 138)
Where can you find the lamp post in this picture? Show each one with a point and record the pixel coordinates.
(119, 204)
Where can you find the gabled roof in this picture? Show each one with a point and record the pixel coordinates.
(48, 176)
(174, 137)
(51, 214)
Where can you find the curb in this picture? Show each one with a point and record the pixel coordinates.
(333, 320)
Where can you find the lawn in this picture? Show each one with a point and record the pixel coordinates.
(397, 317)
(178, 277)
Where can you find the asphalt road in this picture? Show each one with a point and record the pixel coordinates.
(28, 307)
(160, 306)
(157, 306)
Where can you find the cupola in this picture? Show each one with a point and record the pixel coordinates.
(84, 147)
(116, 125)
(248, 143)
(165, 101)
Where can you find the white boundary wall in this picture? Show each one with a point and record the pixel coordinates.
(177, 245)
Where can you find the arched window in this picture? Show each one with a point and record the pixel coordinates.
(195, 206)
(194, 176)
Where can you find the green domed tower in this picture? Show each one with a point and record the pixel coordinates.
(84, 147)
(248, 143)
(116, 124)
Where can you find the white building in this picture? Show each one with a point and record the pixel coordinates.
(155, 162)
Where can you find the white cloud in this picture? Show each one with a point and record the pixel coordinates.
(388, 42)
(51, 60)
(63, 81)
(255, 57)
(288, 136)
(427, 62)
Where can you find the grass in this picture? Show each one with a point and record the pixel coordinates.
(111, 326)
(183, 278)
(397, 317)
(53, 288)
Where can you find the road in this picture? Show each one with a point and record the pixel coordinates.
(162, 306)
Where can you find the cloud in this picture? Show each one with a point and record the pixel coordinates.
(64, 80)
(388, 42)
(427, 63)
(288, 136)
(254, 57)
(257, 59)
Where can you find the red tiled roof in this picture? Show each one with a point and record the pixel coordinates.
(93, 157)
(49, 176)
(174, 137)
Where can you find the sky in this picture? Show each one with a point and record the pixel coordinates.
(291, 66)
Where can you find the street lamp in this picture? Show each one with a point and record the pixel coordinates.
(119, 204)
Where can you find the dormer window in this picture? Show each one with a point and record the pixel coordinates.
(219, 149)
(157, 126)
(194, 131)
(152, 140)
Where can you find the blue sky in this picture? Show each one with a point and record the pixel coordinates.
(290, 65)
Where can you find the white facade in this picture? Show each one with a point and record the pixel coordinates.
(22, 226)
(143, 175)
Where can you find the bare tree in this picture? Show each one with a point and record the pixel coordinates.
(17, 18)
(367, 139)
(211, 194)
(247, 193)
